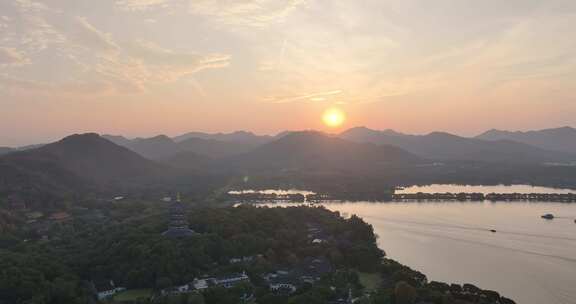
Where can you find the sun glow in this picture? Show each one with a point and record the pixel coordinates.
(333, 117)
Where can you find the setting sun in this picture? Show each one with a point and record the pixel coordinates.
(333, 117)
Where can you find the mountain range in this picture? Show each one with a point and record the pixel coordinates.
(5, 150)
(544, 146)
(235, 137)
(88, 156)
(445, 147)
(76, 163)
(557, 139)
(162, 147)
(86, 162)
(310, 149)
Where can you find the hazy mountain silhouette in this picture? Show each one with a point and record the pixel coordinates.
(187, 160)
(5, 150)
(308, 149)
(157, 147)
(241, 137)
(557, 139)
(88, 157)
(162, 147)
(445, 146)
(215, 148)
(117, 139)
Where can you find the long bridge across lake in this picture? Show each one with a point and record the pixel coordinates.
(420, 196)
(508, 197)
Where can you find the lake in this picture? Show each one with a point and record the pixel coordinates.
(528, 259)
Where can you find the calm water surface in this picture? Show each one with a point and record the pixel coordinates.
(443, 188)
(528, 259)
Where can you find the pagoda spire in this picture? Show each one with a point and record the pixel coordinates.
(178, 226)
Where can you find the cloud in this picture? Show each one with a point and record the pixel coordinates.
(82, 33)
(33, 87)
(142, 62)
(141, 5)
(102, 62)
(318, 96)
(12, 57)
(153, 54)
(255, 13)
(251, 13)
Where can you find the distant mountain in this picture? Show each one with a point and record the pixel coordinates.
(304, 150)
(237, 137)
(157, 147)
(162, 147)
(117, 139)
(91, 156)
(215, 148)
(187, 160)
(445, 146)
(558, 139)
(77, 159)
(5, 150)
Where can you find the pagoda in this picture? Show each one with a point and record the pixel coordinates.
(178, 226)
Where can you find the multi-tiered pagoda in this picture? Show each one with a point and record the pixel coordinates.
(178, 226)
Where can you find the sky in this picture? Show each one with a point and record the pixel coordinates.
(148, 67)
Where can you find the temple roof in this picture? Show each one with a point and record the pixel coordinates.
(178, 232)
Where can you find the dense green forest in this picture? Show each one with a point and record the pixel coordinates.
(127, 246)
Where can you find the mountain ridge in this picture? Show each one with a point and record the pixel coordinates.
(445, 146)
(556, 139)
(312, 149)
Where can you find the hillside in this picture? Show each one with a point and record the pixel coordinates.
(187, 160)
(557, 139)
(314, 150)
(162, 147)
(241, 137)
(5, 150)
(72, 164)
(157, 147)
(447, 147)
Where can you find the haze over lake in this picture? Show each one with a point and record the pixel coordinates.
(530, 259)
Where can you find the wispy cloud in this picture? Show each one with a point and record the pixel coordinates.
(143, 62)
(111, 65)
(255, 13)
(141, 5)
(84, 34)
(12, 57)
(33, 87)
(318, 96)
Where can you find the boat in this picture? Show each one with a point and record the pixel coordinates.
(493, 230)
(548, 216)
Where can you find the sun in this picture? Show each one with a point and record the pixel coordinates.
(333, 117)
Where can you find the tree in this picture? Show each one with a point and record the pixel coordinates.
(404, 293)
(163, 282)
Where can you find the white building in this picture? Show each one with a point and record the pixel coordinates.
(106, 289)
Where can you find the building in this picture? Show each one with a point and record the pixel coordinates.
(106, 289)
(201, 284)
(178, 226)
(232, 280)
(309, 271)
(281, 284)
(198, 285)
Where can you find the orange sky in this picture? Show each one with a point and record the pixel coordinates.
(141, 68)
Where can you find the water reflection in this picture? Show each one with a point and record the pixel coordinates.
(528, 259)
